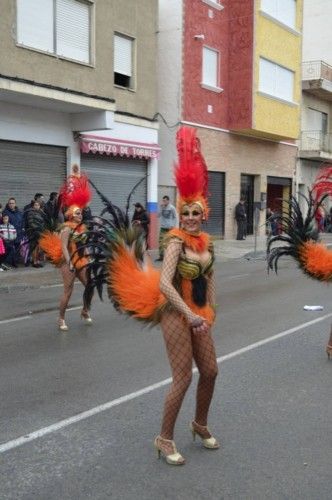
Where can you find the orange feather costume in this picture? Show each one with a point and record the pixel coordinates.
(133, 283)
(74, 194)
(301, 236)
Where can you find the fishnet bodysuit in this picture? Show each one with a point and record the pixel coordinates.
(68, 277)
(183, 346)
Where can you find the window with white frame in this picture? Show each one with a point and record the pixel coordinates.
(60, 27)
(123, 61)
(282, 10)
(210, 67)
(276, 80)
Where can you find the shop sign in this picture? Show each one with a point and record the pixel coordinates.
(119, 149)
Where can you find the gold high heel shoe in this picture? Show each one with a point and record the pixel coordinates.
(203, 432)
(86, 317)
(173, 458)
(329, 350)
(62, 325)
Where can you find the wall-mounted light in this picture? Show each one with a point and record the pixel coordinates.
(199, 37)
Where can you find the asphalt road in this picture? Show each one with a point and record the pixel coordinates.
(79, 410)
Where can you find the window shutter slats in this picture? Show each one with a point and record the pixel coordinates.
(122, 55)
(72, 21)
(283, 10)
(276, 80)
(35, 24)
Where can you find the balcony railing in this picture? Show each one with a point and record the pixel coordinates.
(316, 70)
(315, 140)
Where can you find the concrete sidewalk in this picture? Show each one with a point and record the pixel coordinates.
(24, 278)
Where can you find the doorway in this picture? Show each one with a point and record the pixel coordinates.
(247, 191)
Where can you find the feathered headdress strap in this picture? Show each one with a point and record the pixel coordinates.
(191, 174)
(75, 192)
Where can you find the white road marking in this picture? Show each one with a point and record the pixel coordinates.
(235, 276)
(52, 286)
(20, 318)
(56, 285)
(12, 320)
(15, 443)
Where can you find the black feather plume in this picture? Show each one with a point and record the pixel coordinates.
(296, 229)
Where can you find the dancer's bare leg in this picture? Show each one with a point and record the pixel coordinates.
(205, 357)
(329, 345)
(68, 278)
(177, 338)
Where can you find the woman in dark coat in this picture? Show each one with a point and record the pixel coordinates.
(141, 220)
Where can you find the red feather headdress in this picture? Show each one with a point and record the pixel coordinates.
(191, 174)
(75, 192)
(323, 183)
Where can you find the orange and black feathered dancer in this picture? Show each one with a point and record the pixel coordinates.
(44, 230)
(191, 177)
(301, 235)
(181, 297)
(123, 264)
(75, 193)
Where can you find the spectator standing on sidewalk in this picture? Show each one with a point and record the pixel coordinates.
(24, 244)
(167, 216)
(51, 207)
(141, 220)
(37, 255)
(8, 235)
(241, 219)
(16, 219)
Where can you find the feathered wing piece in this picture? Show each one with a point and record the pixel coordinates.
(120, 262)
(191, 174)
(132, 281)
(42, 230)
(39, 222)
(50, 243)
(300, 236)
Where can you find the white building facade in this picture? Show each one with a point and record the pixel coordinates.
(315, 145)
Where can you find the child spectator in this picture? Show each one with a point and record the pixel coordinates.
(16, 219)
(8, 235)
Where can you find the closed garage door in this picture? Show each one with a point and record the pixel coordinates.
(26, 169)
(216, 221)
(115, 177)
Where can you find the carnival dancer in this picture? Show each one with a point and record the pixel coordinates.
(181, 298)
(187, 283)
(302, 236)
(75, 194)
(64, 245)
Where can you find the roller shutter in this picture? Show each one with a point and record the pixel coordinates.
(26, 169)
(216, 221)
(115, 177)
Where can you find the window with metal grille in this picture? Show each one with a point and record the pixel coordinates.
(59, 27)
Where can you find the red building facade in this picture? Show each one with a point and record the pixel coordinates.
(228, 31)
